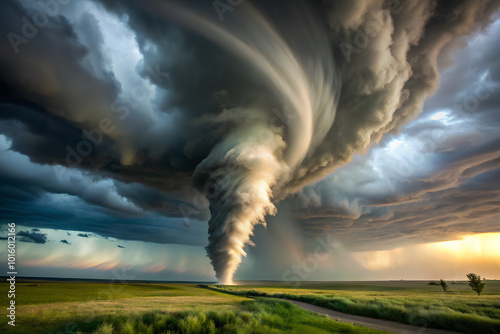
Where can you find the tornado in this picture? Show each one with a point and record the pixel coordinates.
(241, 173)
(238, 177)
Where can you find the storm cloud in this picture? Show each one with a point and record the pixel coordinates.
(34, 237)
(165, 115)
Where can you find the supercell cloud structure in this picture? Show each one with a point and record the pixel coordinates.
(151, 118)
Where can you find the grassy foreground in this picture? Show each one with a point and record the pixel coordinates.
(255, 316)
(85, 307)
(415, 303)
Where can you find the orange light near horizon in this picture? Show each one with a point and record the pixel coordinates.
(475, 248)
(484, 245)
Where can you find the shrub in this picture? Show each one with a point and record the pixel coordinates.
(475, 283)
(444, 286)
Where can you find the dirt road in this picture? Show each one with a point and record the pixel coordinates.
(385, 325)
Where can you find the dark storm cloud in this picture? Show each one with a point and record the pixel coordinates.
(120, 246)
(73, 214)
(33, 237)
(170, 205)
(440, 181)
(195, 104)
(57, 78)
(83, 235)
(64, 241)
(27, 181)
(18, 172)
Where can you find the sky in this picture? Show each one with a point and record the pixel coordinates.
(245, 140)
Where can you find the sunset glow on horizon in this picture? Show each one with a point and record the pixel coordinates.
(475, 246)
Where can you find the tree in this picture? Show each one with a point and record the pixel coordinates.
(475, 283)
(433, 283)
(443, 285)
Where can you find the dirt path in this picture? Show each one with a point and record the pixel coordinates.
(385, 325)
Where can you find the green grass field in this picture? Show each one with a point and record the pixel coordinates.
(85, 307)
(460, 309)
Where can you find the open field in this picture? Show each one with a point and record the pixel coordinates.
(90, 307)
(412, 302)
